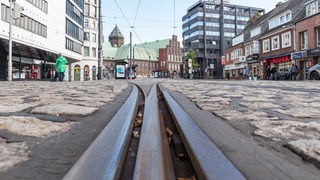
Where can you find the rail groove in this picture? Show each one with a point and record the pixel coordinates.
(208, 161)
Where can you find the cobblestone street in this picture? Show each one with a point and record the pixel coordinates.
(39, 118)
(282, 112)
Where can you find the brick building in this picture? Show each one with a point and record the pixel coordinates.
(269, 41)
(308, 38)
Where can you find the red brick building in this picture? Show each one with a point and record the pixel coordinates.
(308, 39)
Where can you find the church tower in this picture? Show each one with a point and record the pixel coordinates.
(116, 38)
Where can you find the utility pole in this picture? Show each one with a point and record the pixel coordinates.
(130, 71)
(10, 45)
(99, 42)
(219, 65)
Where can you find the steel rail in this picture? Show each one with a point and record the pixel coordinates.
(105, 156)
(208, 161)
(150, 163)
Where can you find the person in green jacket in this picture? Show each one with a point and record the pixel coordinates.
(61, 63)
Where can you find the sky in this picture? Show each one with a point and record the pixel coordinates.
(151, 20)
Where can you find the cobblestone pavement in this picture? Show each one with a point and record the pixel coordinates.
(39, 109)
(52, 114)
(283, 112)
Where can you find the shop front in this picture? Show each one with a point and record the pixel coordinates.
(254, 68)
(303, 62)
(281, 65)
(31, 69)
(234, 71)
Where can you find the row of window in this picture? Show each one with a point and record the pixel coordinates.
(313, 8)
(41, 4)
(87, 53)
(236, 54)
(279, 20)
(74, 30)
(93, 24)
(275, 42)
(24, 22)
(90, 10)
(215, 15)
(208, 33)
(212, 24)
(74, 13)
(73, 46)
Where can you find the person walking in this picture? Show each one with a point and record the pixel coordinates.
(61, 64)
(293, 72)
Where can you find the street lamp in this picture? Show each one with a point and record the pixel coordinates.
(149, 67)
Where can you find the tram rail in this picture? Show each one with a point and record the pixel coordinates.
(154, 159)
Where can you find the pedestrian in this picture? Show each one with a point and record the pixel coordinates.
(293, 71)
(274, 72)
(244, 73)
(268, 73)
(61, 64)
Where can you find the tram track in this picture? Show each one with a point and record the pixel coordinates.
(166, 144)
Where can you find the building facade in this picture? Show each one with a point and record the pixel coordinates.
(203, 26)
(44, 29)
(269, 42)
(308, 39)
(87, 68)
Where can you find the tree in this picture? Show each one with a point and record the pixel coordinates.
(191, 55)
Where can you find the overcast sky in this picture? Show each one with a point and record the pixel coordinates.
(155, 19)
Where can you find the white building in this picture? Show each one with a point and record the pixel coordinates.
(45, 28)
(87, 69)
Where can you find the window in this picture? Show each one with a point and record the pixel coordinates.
(249, 50)
(86, 51)
(286, 39)
(313, 8)
(255, 31)
(94, 52)
(266, 45)
(94, 38)
(304, 40)
(86, 23)
(318, 36)
(86, 9)
(275, 43)
(86, 36)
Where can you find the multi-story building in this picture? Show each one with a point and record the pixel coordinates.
(308, 38)
(267, 42)
(44, 29)
(203, 26)
(87, 68)
(38, 36)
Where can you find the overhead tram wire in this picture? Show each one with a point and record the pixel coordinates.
(131, 26)
(135, 18)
